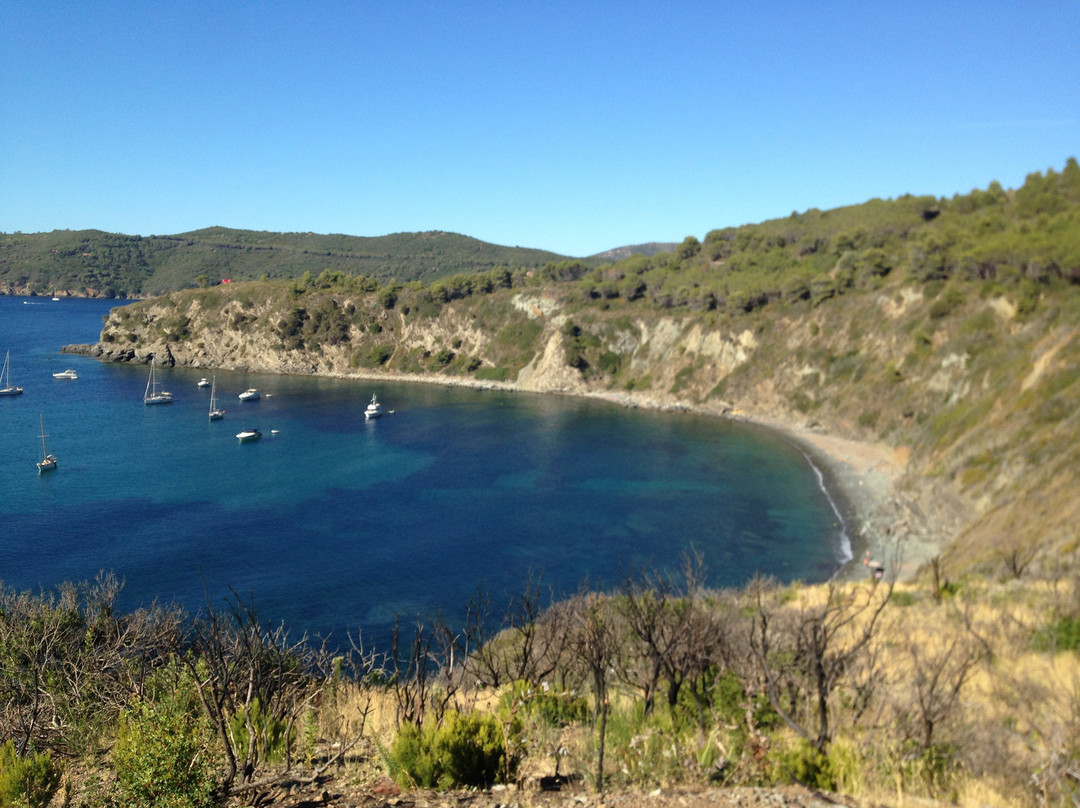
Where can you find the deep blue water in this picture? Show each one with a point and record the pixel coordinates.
(336, 524)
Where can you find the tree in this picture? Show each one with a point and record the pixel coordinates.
(595, 645)
(810, 649)
(69, 663)
(530, 643)
(938, 673)
(689, 248)
(677, 637)
(253, 683)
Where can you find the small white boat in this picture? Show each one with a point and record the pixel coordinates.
(204, 382)
(248, 435)
(251, 394)
(67, 374)
(56, 298)
(152, 395)
(6, 387)
(374, 409)
(48, 461)
(216, 413)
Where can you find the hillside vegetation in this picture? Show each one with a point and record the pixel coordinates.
(96, 264)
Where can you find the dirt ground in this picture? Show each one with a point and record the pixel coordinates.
(387, 795)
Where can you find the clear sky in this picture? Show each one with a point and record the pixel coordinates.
(569, 126)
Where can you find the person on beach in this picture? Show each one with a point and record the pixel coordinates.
(876, 569)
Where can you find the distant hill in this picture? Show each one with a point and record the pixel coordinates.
(648, 250)
(99, 264)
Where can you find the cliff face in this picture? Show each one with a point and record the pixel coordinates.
(981, 405)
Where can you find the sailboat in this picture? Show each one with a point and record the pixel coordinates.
(215, 413)
(48, 461)
(6, 387)
(152, 395)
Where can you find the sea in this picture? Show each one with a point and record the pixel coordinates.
(336, 526)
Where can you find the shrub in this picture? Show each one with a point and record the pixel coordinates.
(27, 781)
(272, 735)
(554, 708)
(1063, 634)
(466, 750)
(945, 305)
(802, 763)
(163, 757)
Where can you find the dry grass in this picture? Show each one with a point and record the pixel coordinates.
(1006, 717)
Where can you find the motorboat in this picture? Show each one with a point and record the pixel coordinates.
(204, 382)
(251, 394)
(152, 395)
(248, 435)
(6, 387)
(374, 409)
(48, 461)
(67, 374)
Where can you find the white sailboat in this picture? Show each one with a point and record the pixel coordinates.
(48, 461)
(216, 414)
(152, 395)
(6, 387)
(374, 409)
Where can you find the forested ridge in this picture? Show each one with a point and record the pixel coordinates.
(112, 265)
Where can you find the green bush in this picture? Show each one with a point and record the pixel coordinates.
(802, 763)
(950, 300)
(554, 708)
(1063, 634)
(163, 757)
(466, 750)
(27, 782)
(272, 736)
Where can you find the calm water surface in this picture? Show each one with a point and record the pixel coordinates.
(338, 524)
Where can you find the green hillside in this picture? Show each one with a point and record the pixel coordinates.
(91, 262)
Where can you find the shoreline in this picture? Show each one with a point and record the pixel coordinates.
(859, 478)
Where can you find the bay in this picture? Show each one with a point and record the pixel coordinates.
(334, 524)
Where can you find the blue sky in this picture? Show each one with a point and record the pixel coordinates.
(569, 126)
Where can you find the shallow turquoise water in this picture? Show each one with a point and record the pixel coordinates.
(337, 524)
